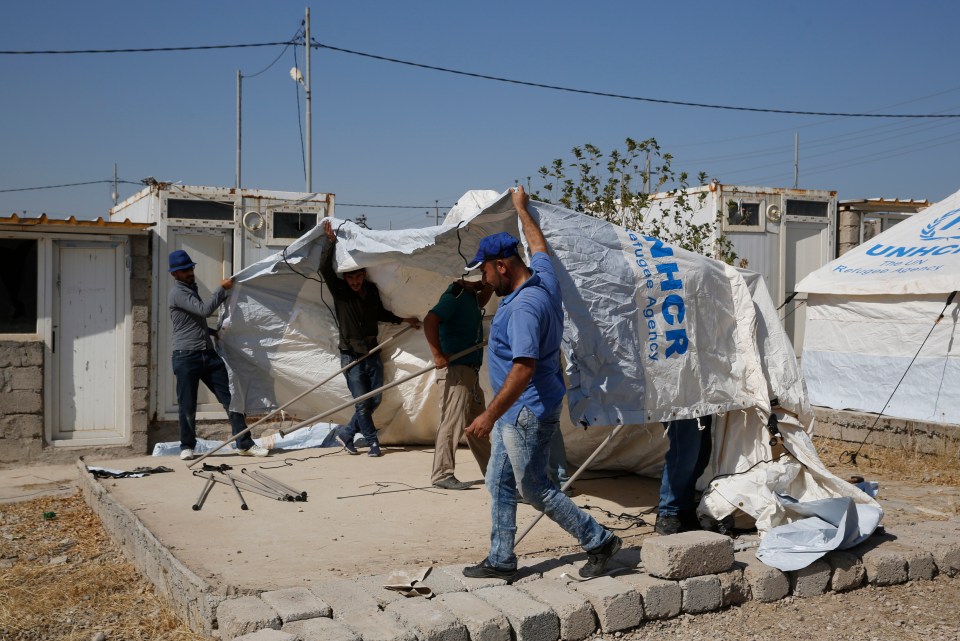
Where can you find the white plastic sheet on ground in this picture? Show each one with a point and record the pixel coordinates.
(820, 526)
(651, 333)
(870, 311)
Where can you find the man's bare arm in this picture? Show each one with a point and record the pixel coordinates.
(431, 330)
(517, 380)
(531, 230)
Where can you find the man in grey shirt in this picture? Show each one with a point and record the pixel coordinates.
(195, 359)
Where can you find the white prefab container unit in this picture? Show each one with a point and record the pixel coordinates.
(783, 234)
(224, 230)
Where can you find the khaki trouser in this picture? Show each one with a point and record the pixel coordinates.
(461, 403)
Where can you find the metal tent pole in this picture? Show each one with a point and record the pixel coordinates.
(375, 350)
(359, 399)
(576, 475)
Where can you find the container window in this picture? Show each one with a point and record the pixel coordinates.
(743, 214)
(816, 208)
(18, 286)
(199, 209)
(292, 225)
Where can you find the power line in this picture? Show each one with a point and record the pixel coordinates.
(603, 94)
(89, 182)
(394, 206)
(53, 52)
(294, 39)
(588, 92)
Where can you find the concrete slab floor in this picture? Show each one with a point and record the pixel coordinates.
(364, 516)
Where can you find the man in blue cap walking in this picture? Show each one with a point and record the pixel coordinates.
(523, 357)
(195, 359)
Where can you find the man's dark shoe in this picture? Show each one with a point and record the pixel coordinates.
(374, 450)
(347, 445)
(452, 483)
(598, 558)
(484, 570)
(668, 524)
(689, 521)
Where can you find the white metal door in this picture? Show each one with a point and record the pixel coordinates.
(91, 395)
(807, 248)
(212, 250)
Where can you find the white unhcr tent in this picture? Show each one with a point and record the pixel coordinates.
(651, 333)
(871, 312)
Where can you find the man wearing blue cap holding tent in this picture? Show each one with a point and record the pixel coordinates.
(523, 357)
(195, 359)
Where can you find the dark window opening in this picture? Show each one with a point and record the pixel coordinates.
(743, 213)
(18, 286)
(807, 208)
(292, 225)
(199, 209)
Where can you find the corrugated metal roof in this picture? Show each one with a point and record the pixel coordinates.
(884, 204)
(72, 224)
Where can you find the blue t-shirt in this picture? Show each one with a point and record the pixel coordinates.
(529, 324)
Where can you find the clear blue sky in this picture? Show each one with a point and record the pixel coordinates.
(389, 134)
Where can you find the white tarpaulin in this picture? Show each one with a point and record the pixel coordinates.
(870, 311)
(651, 333)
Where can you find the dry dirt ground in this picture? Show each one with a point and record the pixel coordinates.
(61, 577)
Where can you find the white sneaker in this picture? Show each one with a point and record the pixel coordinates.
(186, 455)
(256, 450)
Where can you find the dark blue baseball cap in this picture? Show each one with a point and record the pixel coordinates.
(501, 245)
(180, 260)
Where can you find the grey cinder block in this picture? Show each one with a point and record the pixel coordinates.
(378, 626)
(701, 594)
(577, 620)
(884, 566)
(530, 619)
(430, 621)
(617, 604)
(846, 571)
(243, 615)
(734, 589)
(293, 604)
(659, 598)
(344, 597)
(267, 634)
(688, 554)
(320, 629)
(812, 580)
(767, 584)
(483, 621)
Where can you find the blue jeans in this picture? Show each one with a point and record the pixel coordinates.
(361, 379)
(519, 455)
(558, 459)
(686, 460)
(190, 367)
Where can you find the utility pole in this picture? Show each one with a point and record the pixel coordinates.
(309, 154)
(239, 126)
(796, 159)
(646, 175)
(115, 194)
(436, 209)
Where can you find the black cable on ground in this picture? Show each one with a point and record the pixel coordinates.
(632, 520)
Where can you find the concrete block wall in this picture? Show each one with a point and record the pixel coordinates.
(21, 399)
(141, 289)
(899, 433)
